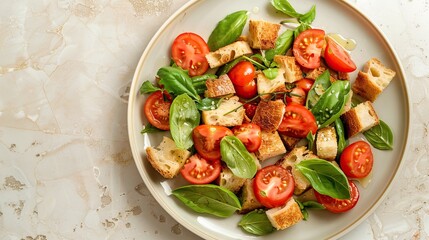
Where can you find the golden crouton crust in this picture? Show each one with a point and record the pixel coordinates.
(248, 199)
(285, 217)
(364, 87)
(262, 34)
(292, 70)
(353, 122)
(228, 53)
(219, 87)
(271, 145)
(289, 142)
(269, 114)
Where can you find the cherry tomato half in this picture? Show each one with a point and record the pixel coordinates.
(198, 170)
(250, 109)
(307, 48)
(296, 95)
(207, 140)
(297, 122)
(273, 186)
(157, 109)
(250, 135)
(339, 205)
(337, 58)
(357, 160)
(248, 91)
(242, 73)
(188, 52)
(305, 84)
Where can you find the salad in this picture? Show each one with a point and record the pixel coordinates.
(260, 123)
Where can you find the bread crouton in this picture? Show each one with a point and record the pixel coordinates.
(248, 199)
(315, 73)
(326, 143)
(269, 114)
(292, 71)
(289, 161)
(286, 216)
(372, 80)
(360, 118)
(266, 85)
(289, 142)
(228, 53)
(219, 116)
(166, 158)
(219, 87)
(228, 180)
(262, 34)
(271, 145)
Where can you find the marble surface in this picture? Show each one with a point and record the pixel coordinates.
(66, 169)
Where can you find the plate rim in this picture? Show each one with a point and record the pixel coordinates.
(135, 151)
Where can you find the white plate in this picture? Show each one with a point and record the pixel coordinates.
(334, 16)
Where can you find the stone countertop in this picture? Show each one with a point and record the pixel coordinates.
(66, 168)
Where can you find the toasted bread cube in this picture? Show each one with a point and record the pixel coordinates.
(326, 143)
(166, 158)
(266, 85)
(228, 53)
(219, 87)
(289, 142)
(271, 145)
(315, 73)
(269, 114)
(372, 80)
(292, 71)
(360, 118)
(220, 117)
(289, 161)
(343, 76)
(228, 180)
(286, 216)
(248, 199)
(262, 34)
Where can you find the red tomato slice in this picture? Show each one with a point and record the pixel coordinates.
(157, 109)
(207, 140)
(250, 109)
(273, 186)
(198, 170)
(242, 73)
(248, 91)
(339, 205)
(297, 121)
(305, 84)
(337, 58)
(188, 52)
(307, 48)
(250, 135)
(357, 160)
(297, 95)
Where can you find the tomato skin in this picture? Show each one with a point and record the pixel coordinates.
(339, 205)
(307, 48)
(157, 109)
(188, 52)
(198, 170)
(250, 135)
(357, 160)
(337, 58)
(305, 84)
(297, 121)
(248, 91)
(250, 109)
(242, 73)
(273, 186)
(207, 140)
(297, 95)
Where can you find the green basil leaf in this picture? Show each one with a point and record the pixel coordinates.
(309, 16)
(319, 87)
(312, 205)
(209, 104)
(283, 43)
(177, 81)
(257, 223)
(227, 30)
(199, 82)
(325, 177)
(301, 28)
(149, 128)
(271, 73)
(310, 141)
(237, 158)
(341, 136)
(208, 198)
(380, 136)
(148, 87)
(285, 7)
(224, 69)
(262, 59)
(184, 117)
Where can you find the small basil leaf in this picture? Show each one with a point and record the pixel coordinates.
(319, 87)
(380, 136)
(309, 16)
(224, 69)
(325, 177)
(148, 87)
(261, 59)
(184, 117)
(237, 158)
(283, 43)
(149, 128)
(227, 30)
(310, 141)
(312, 205)
(257, 223)
(177, 81)
(271, 73)
(199, 82)
(285, 7)
(208, 198)
(341, 137)
(208, 104)
(301, 28)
